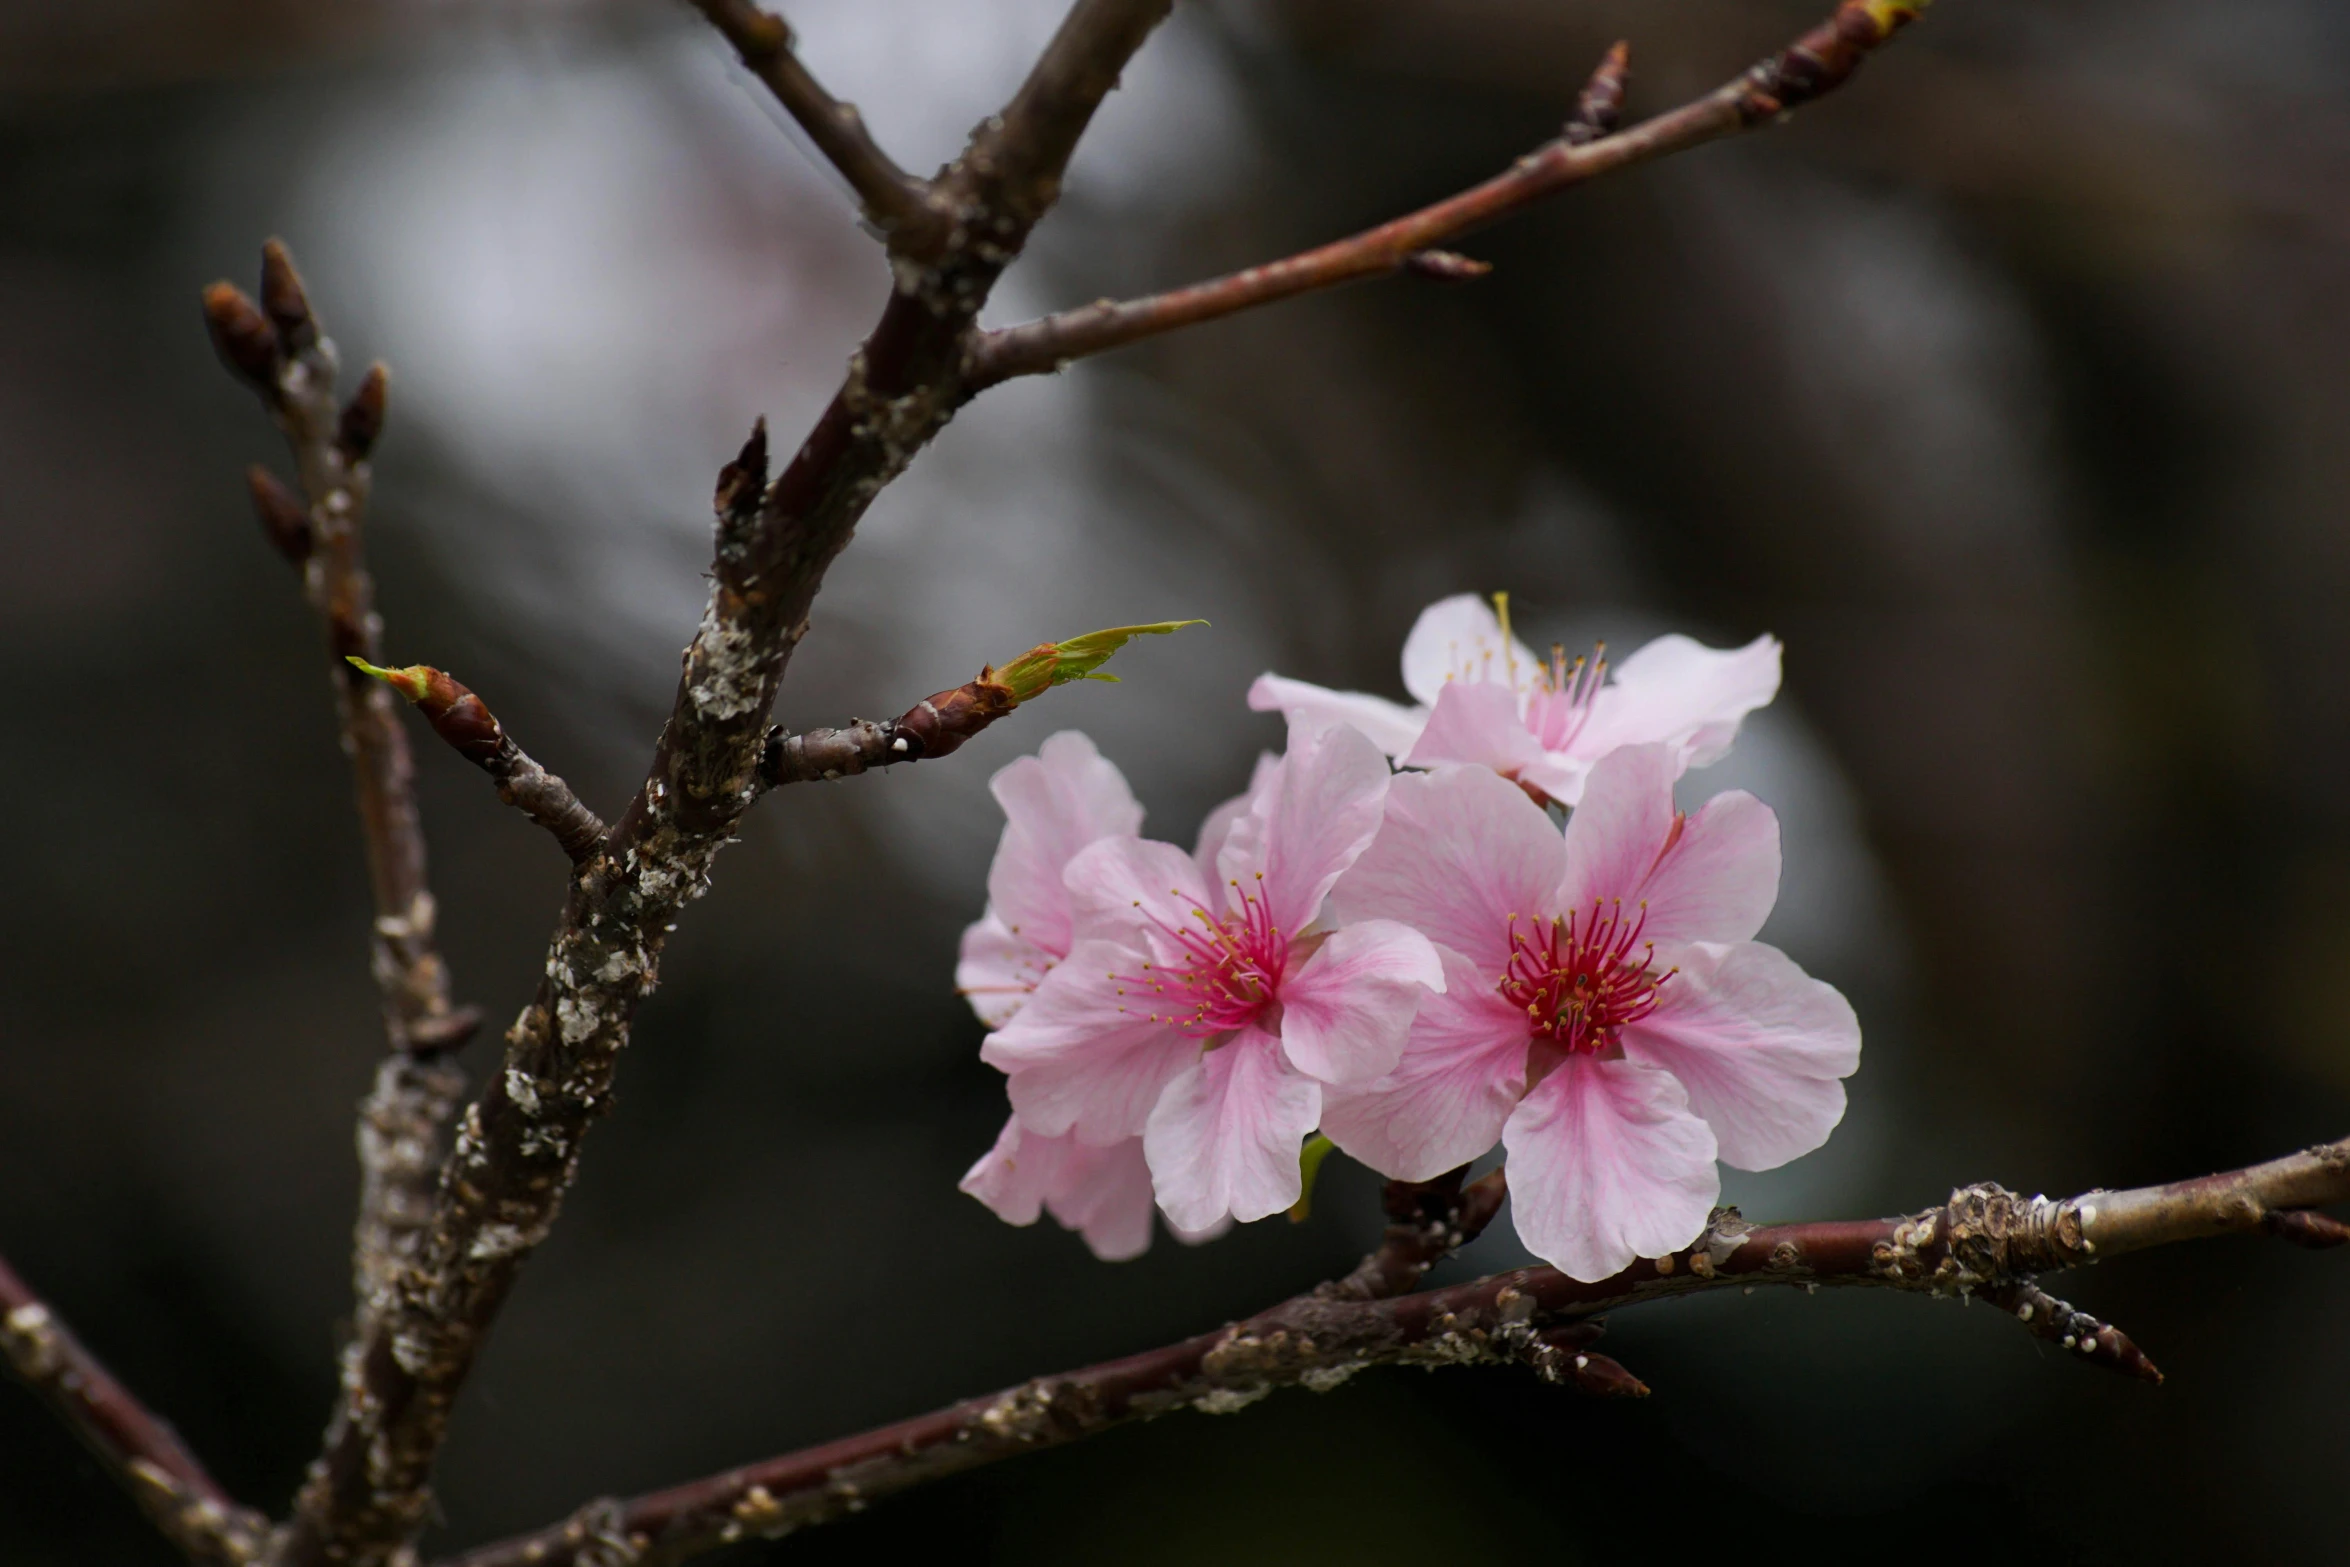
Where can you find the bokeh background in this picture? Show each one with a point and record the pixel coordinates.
(2009, 387)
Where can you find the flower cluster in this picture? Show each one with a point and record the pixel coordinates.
(1418, 964)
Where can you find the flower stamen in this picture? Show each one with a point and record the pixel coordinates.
(1582, 978)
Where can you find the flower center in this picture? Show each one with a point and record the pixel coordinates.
(1560, 704)
(1582, 977)
(1228, 969)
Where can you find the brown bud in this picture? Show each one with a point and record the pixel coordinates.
(283, 516)
(1601, 107)
(247, 343)
(363, 415)
(2307, 1227)
(283, 296)
(940, 723)
(1445, 266)
(1589, 1371)
(455, 713)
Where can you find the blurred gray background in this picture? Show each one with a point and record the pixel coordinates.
(2008, 387)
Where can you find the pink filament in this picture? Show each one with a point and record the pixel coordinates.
(1560, 704)
(1229, 970)
(1579, 979)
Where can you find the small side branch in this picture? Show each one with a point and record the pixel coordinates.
(1984, 1241)
(895, 202)
(174, 1490)
(473, 731)
(277, 348)
(1814, 64)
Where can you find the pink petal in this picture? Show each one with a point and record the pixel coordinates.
(1084, 1056)
(1760, 1046)
(1010, 1177)
(1719, 879)
(1390, 726)
(997, 969)
(1607, 1164)
(1317, 815)
(1623, 821)
(1136, 891)
(1105, 1195)
(1224, 1139)
(1219, 824)
(1346, 1012)
(1477, 722)
(1461, 850)
(1459, 638)
(1459, 1078)
(1684, 694)
(1055, 803)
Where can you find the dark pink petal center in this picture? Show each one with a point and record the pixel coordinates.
(1582, 976)
(1563, 693)
(1227, 972)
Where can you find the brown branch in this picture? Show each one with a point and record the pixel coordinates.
(895, 202)
(1984, 1241)
(141, 1450)
(473, 731)
(1815, 64)
(277, 348)
(517, 1149)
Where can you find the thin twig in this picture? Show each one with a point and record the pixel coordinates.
(473, 732)
(1815, 64)
(278, 348)
(1984, 1241)
(517, 1148)
(141, 1450)
(895, 202)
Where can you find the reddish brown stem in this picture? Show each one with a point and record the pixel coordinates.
(1814, 64)
(142, 1451)
(1985, 1240)
(462, 719)
(895, 202)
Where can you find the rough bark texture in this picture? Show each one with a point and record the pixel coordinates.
(1984, 1241)
(141, 1451)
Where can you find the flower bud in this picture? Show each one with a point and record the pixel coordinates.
(284, 298)
(247, 343)
(283, 516)
(363, 416)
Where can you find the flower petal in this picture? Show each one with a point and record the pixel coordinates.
(1011, 1177)
(1760, 1046)
(1105, 1195)
(1461, 1074)
(997, 969)
(1318, 812)
(1478, 721)
(1607, 1164)
(1459, 638)
(1220, 821)
(1136, 891)
(1390, 726)
(1224, 1139)
(1685, 694)
(1721, 876)
(1055, 803)
(1625, 818)
(1084, 1056)
(1346, 1012)
(1460, 851)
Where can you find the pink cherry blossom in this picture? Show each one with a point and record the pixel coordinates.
(1055, 803)
(1102, 1193)
(1483, 697)
(1607, 1014)
(1205, 1002)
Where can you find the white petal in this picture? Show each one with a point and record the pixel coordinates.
(1760, 1046)
(1346, 1012)
(1224, 1139)
(1055, 803)
(1459, 638)
(998, 968)
(1389, 725)
(1084, 1054)
(1478, 722)
(1684, 694)
(1460, 851)
(1607, 1164)
(1462, 1072)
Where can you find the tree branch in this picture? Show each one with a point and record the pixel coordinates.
(277, 348)
(175, 1492)
(517, 1148)
(1816, 63)
(1984, 1241)
(895, 202)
